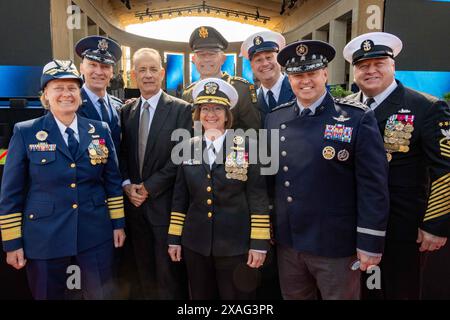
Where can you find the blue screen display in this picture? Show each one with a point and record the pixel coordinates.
(229, 67)
(175, 70)
(436, 83)
(20, 81)
(247, 72)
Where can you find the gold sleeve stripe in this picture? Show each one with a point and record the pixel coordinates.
(117, 206)
(11, 234)
(118, 203)
(14, 224)
(116, 213)
(436, 216)
(435, 193)
(10, 220)
(438, 197)
(260, 216)
(441, 181)
(445, 154)
(175, 230)
(436, 207)
(9, 216)
(437, 204)
(175, 218)
(179, 223)
(267, 225)
(437, 211)
(179, 214)
(260, 234)
(260, 221)
(439, 188)
(115, 198)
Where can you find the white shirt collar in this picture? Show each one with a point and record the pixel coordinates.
(152, 101)
(62, 127)
(382, 96)
(313, 106)
(218, 142)
(94, 98)
(276, 89)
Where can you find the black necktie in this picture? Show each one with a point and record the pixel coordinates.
(272, 102)
(305, 112)
(369, 102)
(72, 142)
(104, 111)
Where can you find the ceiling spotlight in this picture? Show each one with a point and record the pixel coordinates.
(160, 15)
(170, 14)
(190, 11)
(147, 12)
(179, 13)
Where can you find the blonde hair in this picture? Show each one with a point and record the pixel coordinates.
(146, 51)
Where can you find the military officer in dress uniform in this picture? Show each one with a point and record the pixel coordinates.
(262, 49)
(416, 132)
(208, 46)
(220, 209)
(61, 199)
(99, 56)
(331, 198)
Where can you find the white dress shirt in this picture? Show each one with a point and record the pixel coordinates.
(218, 143)
(62, 128)
(276, 89)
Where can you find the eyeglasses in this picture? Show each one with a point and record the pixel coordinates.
(215, 109)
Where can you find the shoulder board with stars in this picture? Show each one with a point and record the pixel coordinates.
(351, 103)
(234, 78)
(284, 105)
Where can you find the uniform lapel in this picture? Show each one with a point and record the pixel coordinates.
(84, 136)
(87, 109)
(204, 153)
(134, 132)
(390, 105)
(54, 135)
(286, 93)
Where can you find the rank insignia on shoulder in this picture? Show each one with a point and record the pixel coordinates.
(341, 118)
(41, 135)
(253, 95)
(338, 132)
(91, 129)
(404, 111)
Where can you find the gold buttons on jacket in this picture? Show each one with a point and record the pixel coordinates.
(73, 185)
(44, 160)
(74, 206)
(289, 199)
(72, 165)
(31, 216)
(209, 189)
(287, 184)
(209, 202)
(209, 214)
(208, 176)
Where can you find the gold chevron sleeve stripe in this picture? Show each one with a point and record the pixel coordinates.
(436, 216)
(267, 225)
(260, 233)
(116, 213)
(436, 207)
(439, 195)
(11, 234)
(10, 225)
(115, 198)
(438, 192)
(439, 187)
(434, 204)
(443, 179)
(175, 230)
(445, 154)
(3, 222)
(437, 211)
(12, 215)
(179, 214)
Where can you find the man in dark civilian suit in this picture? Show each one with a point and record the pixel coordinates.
(149, 176)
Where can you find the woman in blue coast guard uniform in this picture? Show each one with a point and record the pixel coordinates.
(61, 198)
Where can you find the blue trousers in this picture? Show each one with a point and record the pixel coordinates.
(48, 278)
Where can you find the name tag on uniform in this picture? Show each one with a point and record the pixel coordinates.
(191, 162)
(42, 147)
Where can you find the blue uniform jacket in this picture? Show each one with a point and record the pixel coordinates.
(331, 193)
(286, 95)
(88, 110)
(54, 205)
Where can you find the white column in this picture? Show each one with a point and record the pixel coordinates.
(336, 69)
